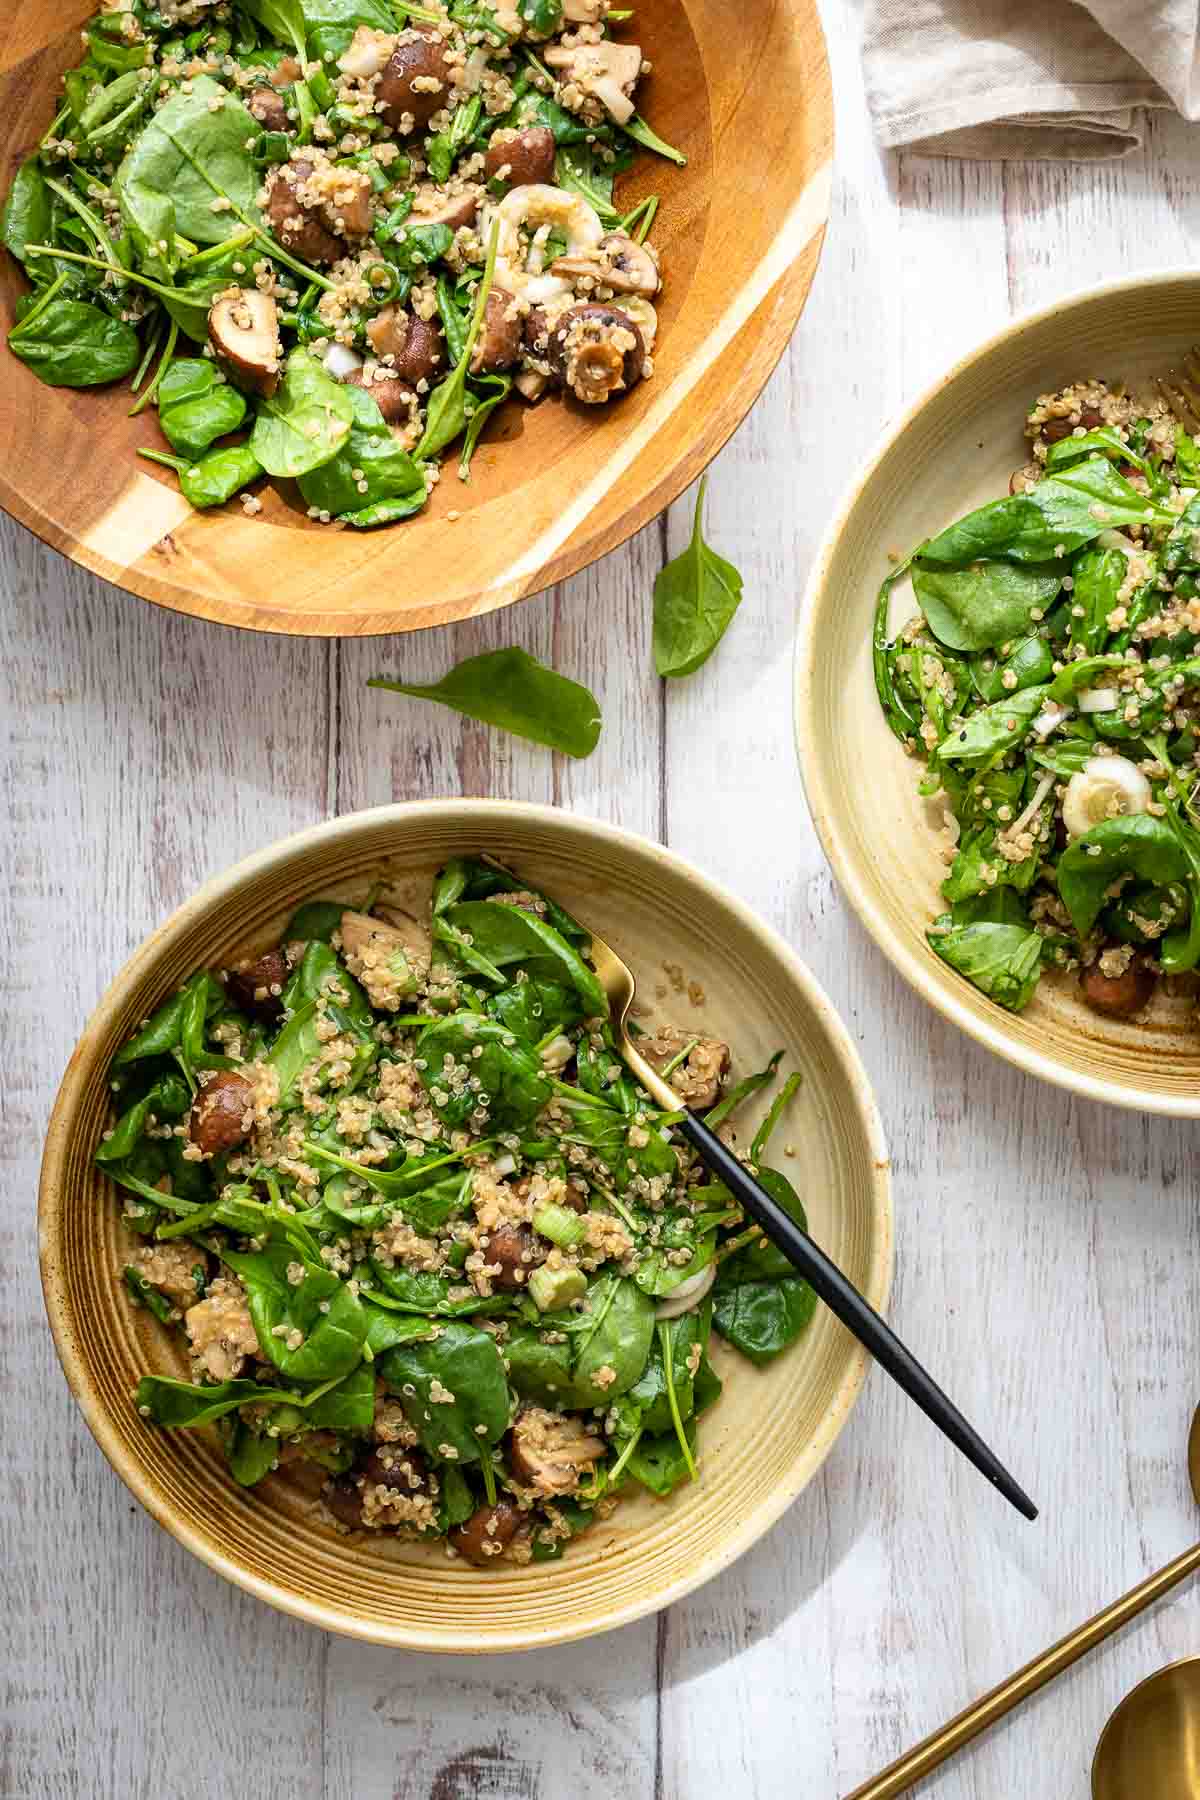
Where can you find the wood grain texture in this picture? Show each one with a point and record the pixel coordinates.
(739, 232)
(1047, 1247)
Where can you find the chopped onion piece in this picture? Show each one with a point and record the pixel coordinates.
(342, 361)
(1106, 787)
(1051, 716)
(505, 1165)
(689, 1293)
(1092, 700)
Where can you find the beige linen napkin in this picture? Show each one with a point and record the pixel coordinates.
(1019, 78)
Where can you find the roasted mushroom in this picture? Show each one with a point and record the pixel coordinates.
(499, 342)
(1117, 996)
(268, 106)
(551, 1451)
(410, 346)
(487, 1533)
(391, 960)
(619, 263)
(510, 1253)
(392, 396)
(218, 1119)
(255, 988)
(298, 227)
(415, 83)
(243, 329)
(697, 1079)
(597, 352)
(519, 158)
(607, 71)
(455, 210)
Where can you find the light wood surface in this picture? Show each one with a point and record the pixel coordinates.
(739, 231)
(1047, 1247)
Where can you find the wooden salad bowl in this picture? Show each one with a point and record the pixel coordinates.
(746, 96)
(762, 1442)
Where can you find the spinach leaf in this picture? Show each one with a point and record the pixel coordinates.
(201, 278)
(1053, 520)
(1031, 660)
(508, 934)
(994, 729)
(761, 1318)
(659, 1463)
(649, 1393)
(1099, 577)
(315, 921)
(182, 1403)
(386, 469)
(186, 156)
(617, 1334)
(484, 394)
(534, 1008)
(542, 17)
(216, 478)
(169, 1098)
(537, 1371)
(419, 1291)
(489, 1070)
(71, 343)
(27, 211)
(1001, 960)
(1183, 546)
(695, 598)
(411, 248)
(1138, 844)
(349, 1407)
(984, 605)
(195, 408)
(305, 422)
(580, 170)
(387, 512)
(284, 19)
(332, 23)
(251, 1457)
(463, 1366)
(386, 1329)
(332, 1341)
(1104, 439)
(513, 691)
(539, 109)
(640, 132)
(144, 1294)
(446, 411)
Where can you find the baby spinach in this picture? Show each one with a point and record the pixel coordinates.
(189, 154)
(484, 394)
(446, 412)
(387, 512)
(305, 422)
(284, 19)
(617, 1331)
(369, 467)
(71, 343)
(581, 170)
(640, 132)
(169, 1098)
(508, 935)
(659, 1462)
(216, 478)
(144, 1294)
(985, 604)
(761, 1318)
(251, 1456)
(538, 1371)
(513, 691)
(1001, 960)
(695, 598)
(27, 211)
(497, 1074)
(1104, 439)
(994, 729)
(195, 407)
(1137, 844)
(347, 1406)
(316, 920)
(649, 1393)
(1099, 576)
(183, 1404)
(463, 1365)
(1060, 515)
(332, 1340)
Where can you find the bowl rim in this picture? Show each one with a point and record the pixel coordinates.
(843, 1054)
(919, 969)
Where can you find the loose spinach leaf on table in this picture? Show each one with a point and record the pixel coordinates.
(305, 422)
(71, 343)
(1138, 844)
(985, 604)
(513, 691)
(465, 1369)
(332, 1340)
(386, 469)
(695, 598)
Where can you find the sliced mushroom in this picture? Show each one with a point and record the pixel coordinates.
(412, 347)
(607, 71)
(597, 352)
(551, 1451)
(620, 263)
(268, 107)
(521, 157)
(531, 385)
(415, 83)
(255, 988)
(286, 71)
(454, 210)
(392, 396)
(511, 1251)
(347, 205)
(499, 343)
(243, 329)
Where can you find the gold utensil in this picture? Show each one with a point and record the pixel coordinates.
(929, 1755)
(1180, 388)
(1150, 1748)
(840, 1296)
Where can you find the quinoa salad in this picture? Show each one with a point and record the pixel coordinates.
(1049, 680)
(327, 239)
(417, 1228)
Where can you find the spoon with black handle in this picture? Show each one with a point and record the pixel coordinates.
(826, 1279)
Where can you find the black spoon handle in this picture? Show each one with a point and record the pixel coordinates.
(847, 1304)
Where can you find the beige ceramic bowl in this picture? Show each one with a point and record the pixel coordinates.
(954, 450)
(768, 1434)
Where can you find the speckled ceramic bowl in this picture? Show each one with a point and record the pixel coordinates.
(761, 1444)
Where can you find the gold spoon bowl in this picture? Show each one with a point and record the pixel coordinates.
(1150, 1748)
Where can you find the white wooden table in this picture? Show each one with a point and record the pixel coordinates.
(1047, 1248)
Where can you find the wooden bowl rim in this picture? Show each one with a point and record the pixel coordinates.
(845, 1071)
(920, 968)
(777, 288)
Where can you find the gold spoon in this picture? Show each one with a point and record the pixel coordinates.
(1150, 1748)
(929, 1755)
